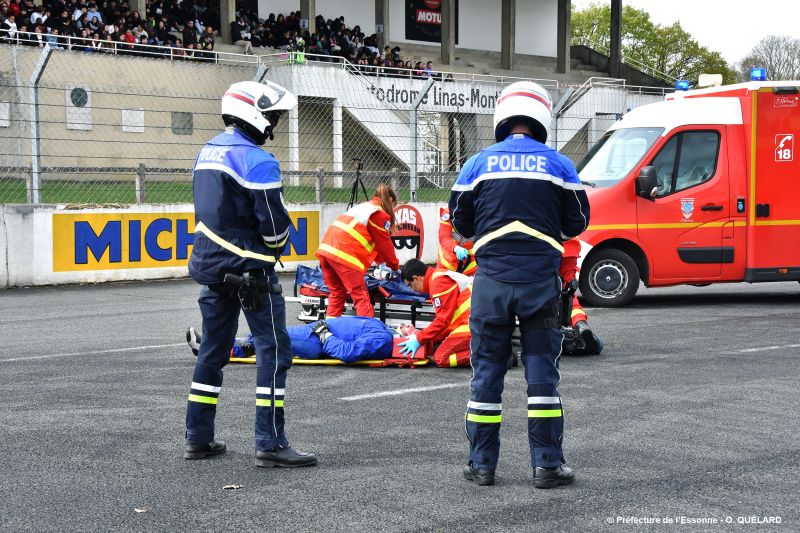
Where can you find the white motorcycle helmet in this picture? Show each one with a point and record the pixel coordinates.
(523, 100)
(256, 107)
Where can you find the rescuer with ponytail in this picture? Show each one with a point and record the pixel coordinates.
(355, 240)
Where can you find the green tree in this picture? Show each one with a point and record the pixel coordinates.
(661, 51)
(779, 54)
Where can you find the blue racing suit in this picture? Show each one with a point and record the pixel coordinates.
(517, 200)
(352, 339)
(241, 227)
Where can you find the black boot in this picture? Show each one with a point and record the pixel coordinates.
(481, 476)
(547, 478)
(592, 344)
(195, 450)
(285, 457)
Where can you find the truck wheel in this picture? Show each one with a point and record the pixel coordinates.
(609, 278)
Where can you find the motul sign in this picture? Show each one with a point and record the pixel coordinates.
(429, 17)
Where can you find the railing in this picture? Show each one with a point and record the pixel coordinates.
(173, 53)
(107, 46)
(633, 62)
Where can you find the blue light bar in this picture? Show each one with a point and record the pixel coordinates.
(758, 74)
(682, 85)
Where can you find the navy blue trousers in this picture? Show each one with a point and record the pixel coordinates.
(494, 307)
(220, 307)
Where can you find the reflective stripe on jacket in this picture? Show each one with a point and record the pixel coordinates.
(348, 241)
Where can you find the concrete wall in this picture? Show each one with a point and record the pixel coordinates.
(355, 12)
(479, 26)
(37, 243)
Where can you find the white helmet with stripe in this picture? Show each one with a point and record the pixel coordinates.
(523, 100)
(256, 107)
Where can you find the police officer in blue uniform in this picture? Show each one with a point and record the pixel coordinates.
(241, 227)
(518, 200)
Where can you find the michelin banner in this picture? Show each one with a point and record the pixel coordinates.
(46, 244)
(104, 241)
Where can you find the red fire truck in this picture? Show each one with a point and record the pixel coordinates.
(696, 189)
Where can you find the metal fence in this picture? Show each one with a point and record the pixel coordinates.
(79, 126)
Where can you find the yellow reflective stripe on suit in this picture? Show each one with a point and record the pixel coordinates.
(461, 309)
(461, 329)
(350, 229)
(444, 261)
(517, 227)
(265, 402)
(343, 255)
(485, 419)
(202, 228)
(544, 413)
(202, 399)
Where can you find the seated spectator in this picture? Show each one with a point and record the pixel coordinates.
(96, 43)
(209, 34)
(9, 9)
(8, 30)
(85, 44)
(208, 49)
(188, 52)
(92, 13)
(95, 24)
(375, 66)
(324, 46)
(37, 16)
(78, 12)
(189, 33)
(53, 40)
(429, 70)
(141, 48)
(419, 70)
(178, 52)
(39, 38)
(399, 67)
(123, 46)
(240, 35)
(139, 31)
(160, 35)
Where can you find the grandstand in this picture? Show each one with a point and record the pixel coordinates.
(112, 121)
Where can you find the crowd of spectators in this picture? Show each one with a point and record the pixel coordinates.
(167, 27)
(187, 29)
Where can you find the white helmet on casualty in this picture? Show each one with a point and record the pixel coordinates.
(256, 107)
(523, 101)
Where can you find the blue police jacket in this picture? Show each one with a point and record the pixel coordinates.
(241, 223)
(518, 200)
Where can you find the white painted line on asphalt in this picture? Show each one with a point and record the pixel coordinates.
(768, 348)
(98, 352)
(403, 391)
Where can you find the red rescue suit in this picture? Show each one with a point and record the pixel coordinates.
(568, 271)
(450, 294)
(355, 240)
(448, 240)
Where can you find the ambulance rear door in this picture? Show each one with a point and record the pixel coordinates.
(774, 210)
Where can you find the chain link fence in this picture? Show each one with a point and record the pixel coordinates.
(81, 127)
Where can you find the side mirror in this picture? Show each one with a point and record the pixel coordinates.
(647, 183)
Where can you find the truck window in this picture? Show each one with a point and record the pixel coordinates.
(615, 155)
(688, 159)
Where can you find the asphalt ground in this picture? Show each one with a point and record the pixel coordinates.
(690, 415)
